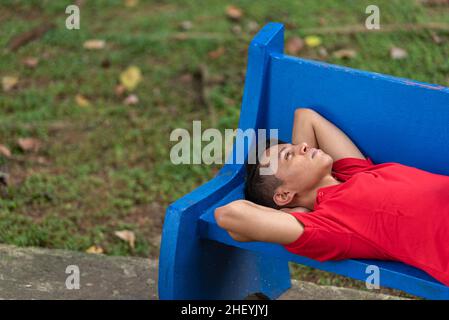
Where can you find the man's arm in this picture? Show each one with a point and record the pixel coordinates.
(311, 127)
(247, 221)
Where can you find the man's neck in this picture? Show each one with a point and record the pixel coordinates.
(308, 199)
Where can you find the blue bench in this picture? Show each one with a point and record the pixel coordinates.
(390, 119)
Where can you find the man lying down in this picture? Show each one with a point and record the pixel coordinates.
(326, 201)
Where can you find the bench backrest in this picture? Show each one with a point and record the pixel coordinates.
(390, 119)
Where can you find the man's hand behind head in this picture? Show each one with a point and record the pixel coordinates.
(247, 221)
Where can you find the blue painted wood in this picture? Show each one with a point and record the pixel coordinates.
(392, 274)
(195, 268)
(389, 118)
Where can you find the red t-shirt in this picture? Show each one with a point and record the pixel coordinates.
(385, 211)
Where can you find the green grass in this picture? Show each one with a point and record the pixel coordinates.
(106, 163)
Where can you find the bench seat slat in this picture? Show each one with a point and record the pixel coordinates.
(393, 274)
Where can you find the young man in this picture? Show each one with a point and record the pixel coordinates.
(326, 201)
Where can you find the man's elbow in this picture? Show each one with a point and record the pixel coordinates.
(220, 215)
(223, 215)
(227, 215)
(231, 217)
(303, 112)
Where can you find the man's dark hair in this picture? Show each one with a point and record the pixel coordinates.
(260, 188)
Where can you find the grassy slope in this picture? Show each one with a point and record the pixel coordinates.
(107, 166)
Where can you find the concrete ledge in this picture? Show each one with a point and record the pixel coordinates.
(302, 290)
(36, 273)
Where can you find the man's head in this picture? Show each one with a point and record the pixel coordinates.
(299, 170)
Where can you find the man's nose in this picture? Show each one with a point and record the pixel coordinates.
(303, 148)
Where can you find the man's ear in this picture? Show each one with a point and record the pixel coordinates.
(283, 197)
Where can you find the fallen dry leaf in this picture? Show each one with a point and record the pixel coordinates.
(95, 249)
(186, 25)
(127, 236)
(29, 144)
(186, 78)
(294, 45)
(217, 53)
(5, 151)
(322, 52)
(435, 37)
(236, 29)
(131, 100)
(322, 21)
(313, 41)
(131, 3)
(252, 26)
(31, 62)
(131, 77)
(9, 82)
(82, 101)
(42, 160)
(181, 36)
(94, 44)
(234, 13)
(119, 90)
(398, 53)
(345, 54)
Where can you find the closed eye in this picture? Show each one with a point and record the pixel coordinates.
(287, 154)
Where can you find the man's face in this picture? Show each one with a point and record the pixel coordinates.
(300, 167)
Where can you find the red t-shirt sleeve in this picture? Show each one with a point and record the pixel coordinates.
(345, 168)
(322, 239)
